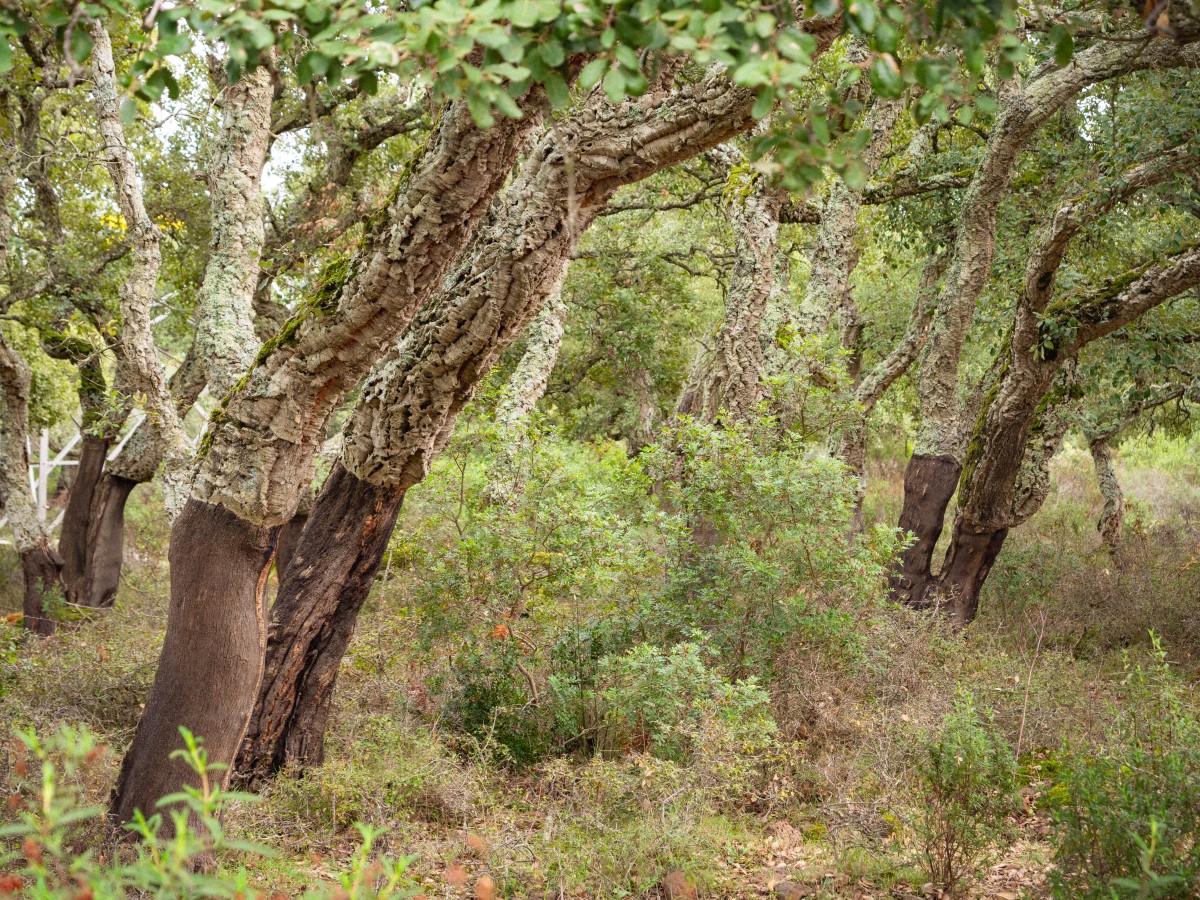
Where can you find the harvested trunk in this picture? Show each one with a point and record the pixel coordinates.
(218, 605)
(39, 564)
(106, 541)
(136, 465)
(929, 483)
(969, 559)
(74, 545)
(943, 430)
(313, 620)
(410, 402)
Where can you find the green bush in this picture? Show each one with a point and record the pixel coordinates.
(1127, 817)
(966, 789)
(49, 850)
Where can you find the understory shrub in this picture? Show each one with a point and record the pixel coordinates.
(966, 788)
(1127, 816)
(58, 847)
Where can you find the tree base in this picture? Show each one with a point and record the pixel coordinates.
(929, 483)
(211, 661)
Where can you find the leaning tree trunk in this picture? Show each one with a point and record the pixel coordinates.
(260, 447)
(941, 436)
(312, 621)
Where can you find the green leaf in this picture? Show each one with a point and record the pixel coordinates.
(592, 73)
(481, 111)
(763, 104)
(557, 91)
(6, 56)
(81, 44)
(614, 85)
(128, 111)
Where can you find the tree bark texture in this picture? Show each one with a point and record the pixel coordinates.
(136, 351)
(411, 400)
(73, 544)
(313, 619)
(525, 388)
(929, 483)
(260, 447)
(1112, 516)
(1023, 110)
(730, 379)
(225, 337)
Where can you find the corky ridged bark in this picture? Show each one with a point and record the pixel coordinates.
(941, 435)
(730, 379)
(39, 564)
(525, 388)
(258, 453)
(1112, 515)
(136, 351)
(225, 337)
(410, 402)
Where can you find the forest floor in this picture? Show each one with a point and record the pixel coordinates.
(1048, 655)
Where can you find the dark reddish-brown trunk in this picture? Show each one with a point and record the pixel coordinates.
(929, 483)
(106, 539)
(211, 661)
(289, 539)
(970, 557)
(73, 541)
(40, 567)
(313, 619)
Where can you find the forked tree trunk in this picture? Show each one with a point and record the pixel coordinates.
(218, 577)
(73, 541)
(929, 483)
(313, 619)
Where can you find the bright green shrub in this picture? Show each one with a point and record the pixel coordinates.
(1127, 817)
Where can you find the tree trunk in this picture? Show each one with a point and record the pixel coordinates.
(106, 541)
(289, 540)
(313, 620)
(74, 544)
(973, 551)
(929, 483)
(219, 566)
(1113, 514)
(40, 566)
